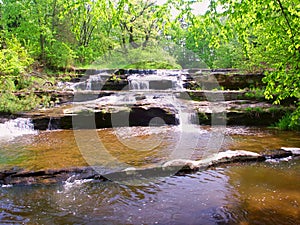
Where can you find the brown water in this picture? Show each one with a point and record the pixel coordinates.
(134, 147)
(261, 193)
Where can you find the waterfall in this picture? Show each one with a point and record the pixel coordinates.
(92, 82)
(187, 119)
(166, 80)
(138, 84)
(16, 127)
(189, 132)
(139, 80)
(160, 80)
(52, 124)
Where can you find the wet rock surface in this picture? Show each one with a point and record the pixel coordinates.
(195, 78)
(98, 97)
(143, 110)
(231, 81)
(17, 176)
(100, 108)
(135, 116)
(231, 106)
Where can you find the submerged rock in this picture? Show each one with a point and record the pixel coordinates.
(21, 177)
(216, 159)
(17, 176)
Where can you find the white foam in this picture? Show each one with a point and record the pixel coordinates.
(71, 182)
(295, 151)
(98, 80)
(286, 159)
(6, 186)
(142, 81)
(15, 128)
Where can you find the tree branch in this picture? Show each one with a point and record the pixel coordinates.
(288, 23)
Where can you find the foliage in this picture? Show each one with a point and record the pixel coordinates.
(14, 59)
(15, 63)
(286, 123)
(228, 55)
(255, 93)
(255, 35)
(138, 58)
(254, 109)
(12, 101)
(269, 34)
(59, 55)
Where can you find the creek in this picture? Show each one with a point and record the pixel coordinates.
(257, 192)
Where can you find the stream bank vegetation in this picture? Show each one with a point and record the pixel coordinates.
(43, 40)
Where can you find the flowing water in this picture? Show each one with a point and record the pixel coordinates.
(240, 193)
(260, 193)
(248, 194)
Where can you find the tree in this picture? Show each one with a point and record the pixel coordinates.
(34, 24)
(269, 32)
(141, 22)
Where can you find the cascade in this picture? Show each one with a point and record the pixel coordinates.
(93, 82)
(171, 80)
(160, 80)
(149, 88)
(136, 84)
(16, 127)
(52, 124)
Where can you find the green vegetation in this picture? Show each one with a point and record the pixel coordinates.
(150, 57)
(14, 64)
(268, 32)
(254, 109)
(286, 124)
(202, 116)
(58, 35)
(255, 93)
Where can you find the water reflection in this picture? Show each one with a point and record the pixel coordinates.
(145, 147)
(262, 193)
(59, 149)
(241, 194)
(267, 194)
(173, 200)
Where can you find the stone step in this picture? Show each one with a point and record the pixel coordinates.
(205, 79)
(102, 115)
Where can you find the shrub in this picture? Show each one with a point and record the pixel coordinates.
(59, 55)
(139, 58)
(14, 59)
(289, 122)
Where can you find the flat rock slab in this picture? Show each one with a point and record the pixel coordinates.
(143, 111)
